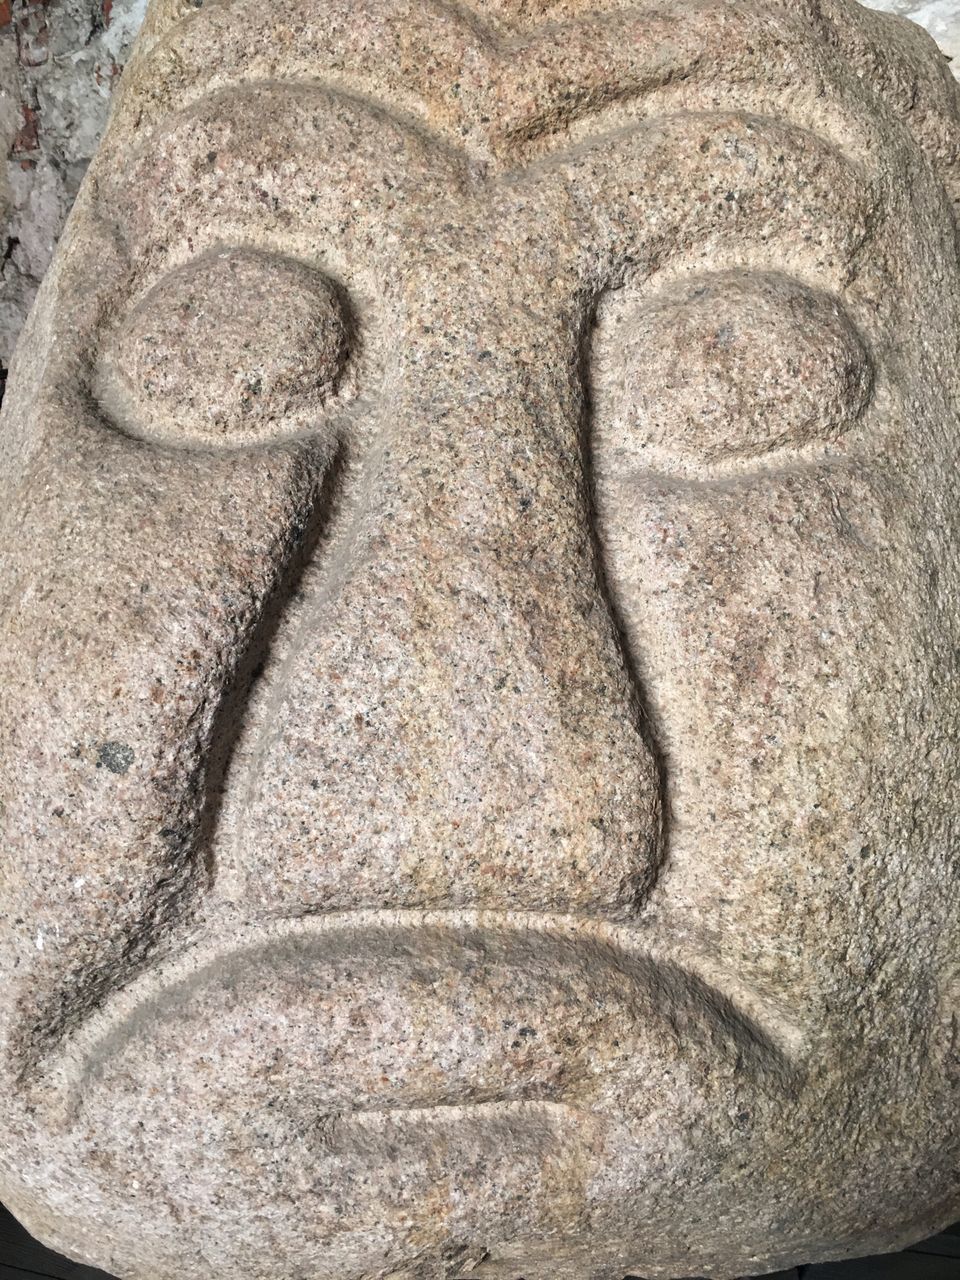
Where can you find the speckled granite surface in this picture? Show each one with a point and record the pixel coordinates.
(59, 63)
(479, 662)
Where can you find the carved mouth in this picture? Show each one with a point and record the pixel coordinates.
(440, 1071)
(374, 1014)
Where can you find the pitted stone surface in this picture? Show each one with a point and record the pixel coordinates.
(59, 63)
(478, 653)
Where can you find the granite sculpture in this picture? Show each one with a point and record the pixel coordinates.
(479, 696)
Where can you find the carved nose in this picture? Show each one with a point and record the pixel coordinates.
(458, 727)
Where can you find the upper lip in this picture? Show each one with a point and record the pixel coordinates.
(374, 1011)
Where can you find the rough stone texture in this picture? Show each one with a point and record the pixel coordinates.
(487, 804)
(59, 60)
(940, 17)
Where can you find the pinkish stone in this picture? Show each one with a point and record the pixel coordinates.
(479, 705)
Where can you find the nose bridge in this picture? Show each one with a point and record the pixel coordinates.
(464, 732)
(490, 471)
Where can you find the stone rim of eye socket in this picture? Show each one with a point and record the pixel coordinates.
(618, 404)
(238, 348)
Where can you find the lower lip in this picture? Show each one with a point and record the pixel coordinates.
(517, 1069)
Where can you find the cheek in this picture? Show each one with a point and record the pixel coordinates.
(775, 625)
(135, 579)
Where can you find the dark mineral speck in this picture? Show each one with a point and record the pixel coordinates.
(115, 756)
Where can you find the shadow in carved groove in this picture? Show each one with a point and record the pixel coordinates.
(646, 723)
(230, 718)
(82, 992)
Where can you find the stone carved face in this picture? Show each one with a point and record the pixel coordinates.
(479, 649)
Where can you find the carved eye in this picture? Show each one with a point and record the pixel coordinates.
(723, 368)
(236, 348)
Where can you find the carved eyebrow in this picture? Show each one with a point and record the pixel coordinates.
(621, 118)
(334, 91)
(519, 86)
(533, 79)
(497, 79)
(175, 157)
(613, 148)
(615, 128)
(592, 120)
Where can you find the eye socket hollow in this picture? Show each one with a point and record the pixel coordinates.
(724, 368)
(238, 347)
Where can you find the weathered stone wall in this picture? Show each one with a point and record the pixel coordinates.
(59, 61)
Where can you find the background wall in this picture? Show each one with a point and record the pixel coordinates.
(59, 61)
(940, 17)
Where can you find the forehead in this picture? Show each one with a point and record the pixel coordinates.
(339, 119)
(495, 79)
